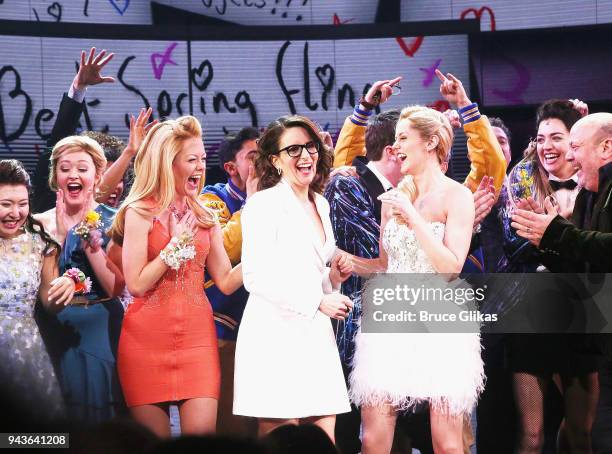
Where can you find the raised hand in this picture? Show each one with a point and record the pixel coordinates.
(336, 305)
(61, 290)
(580, 106)
(453, 118)
(138, 130)
(89, 70)
(381, 91)
(452, 90)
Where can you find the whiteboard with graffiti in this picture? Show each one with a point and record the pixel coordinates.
(510, 15)
(88, 11)
(227, 85)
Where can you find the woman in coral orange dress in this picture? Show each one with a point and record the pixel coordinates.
(168, 346)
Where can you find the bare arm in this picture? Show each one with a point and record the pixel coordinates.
(54, 291)
(107, 273)
(140, 274)
(114, 174)
(226, 278)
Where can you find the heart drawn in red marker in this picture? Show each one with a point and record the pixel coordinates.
(410, 49)
(478, 13)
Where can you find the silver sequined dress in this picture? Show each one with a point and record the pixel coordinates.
(28, 379)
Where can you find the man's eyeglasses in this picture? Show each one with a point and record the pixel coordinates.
(295, 151)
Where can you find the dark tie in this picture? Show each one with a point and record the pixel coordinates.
(567, 184)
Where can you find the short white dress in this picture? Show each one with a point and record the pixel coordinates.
(406, 369)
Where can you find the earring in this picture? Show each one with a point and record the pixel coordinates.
(278, 169)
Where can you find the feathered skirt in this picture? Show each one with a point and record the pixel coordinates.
(407, 369)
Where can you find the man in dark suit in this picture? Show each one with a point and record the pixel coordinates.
(582, 245)
(67, 121)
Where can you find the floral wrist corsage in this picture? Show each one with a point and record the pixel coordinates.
(90, 223)
(82, 284)
(178, 251)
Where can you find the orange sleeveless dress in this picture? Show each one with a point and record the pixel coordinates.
(168, 345)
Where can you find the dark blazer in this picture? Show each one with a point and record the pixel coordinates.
(585, 243)
(371, 183)
(66, 123)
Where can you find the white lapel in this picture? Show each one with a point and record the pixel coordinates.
(306, 224)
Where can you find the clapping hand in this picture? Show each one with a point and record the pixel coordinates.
(484, 199)
(532, 225)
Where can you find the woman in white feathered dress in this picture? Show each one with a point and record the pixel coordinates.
(426, 228)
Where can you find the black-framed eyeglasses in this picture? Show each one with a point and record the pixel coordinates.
(295, 151)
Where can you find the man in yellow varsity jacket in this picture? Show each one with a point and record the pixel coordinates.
(236, 156)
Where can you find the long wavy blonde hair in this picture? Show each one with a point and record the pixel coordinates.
(428, 123)
(153, 189)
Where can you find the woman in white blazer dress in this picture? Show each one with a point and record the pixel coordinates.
(287, 367)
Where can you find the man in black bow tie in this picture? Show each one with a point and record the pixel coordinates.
(584, 244)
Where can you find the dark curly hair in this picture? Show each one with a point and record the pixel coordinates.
(561, 109)
(13, 173)
(268, 147)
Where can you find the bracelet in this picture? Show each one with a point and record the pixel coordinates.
(369, 105)
(82, 284)
(178, 251)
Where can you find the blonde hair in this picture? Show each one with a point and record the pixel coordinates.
(428, 123)
(76, 143)
(153, 189)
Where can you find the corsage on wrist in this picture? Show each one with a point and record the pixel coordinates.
(90, 223)
(82, 284)
(178, 251)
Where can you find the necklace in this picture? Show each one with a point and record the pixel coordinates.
(178, 214)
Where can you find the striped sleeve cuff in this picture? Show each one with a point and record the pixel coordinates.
(360, 116)
(469, 113)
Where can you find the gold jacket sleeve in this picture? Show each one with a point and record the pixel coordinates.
(230, 226)
(485, 155)
(350, 144)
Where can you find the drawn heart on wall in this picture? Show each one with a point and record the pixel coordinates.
(413, 47)
(202, 76)
(55, 10)
(478, 14)
(120, 9)
(327, 80)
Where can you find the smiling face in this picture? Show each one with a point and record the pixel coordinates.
(583, 154)
(14, 209)
(76, 176)
(552, 146)
(298, 171)
(189, 166)
(410, 147)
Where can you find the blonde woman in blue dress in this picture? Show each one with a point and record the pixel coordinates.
(426, 228)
